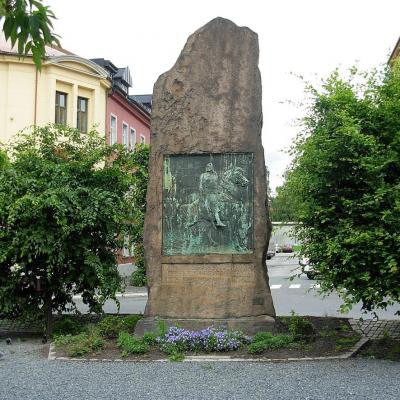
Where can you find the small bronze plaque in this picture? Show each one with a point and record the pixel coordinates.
(208, 204)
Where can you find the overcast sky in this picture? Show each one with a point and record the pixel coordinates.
(304, 37)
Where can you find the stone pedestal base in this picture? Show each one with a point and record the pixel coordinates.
(248, 325)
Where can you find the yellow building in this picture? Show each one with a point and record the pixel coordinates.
(69, 90)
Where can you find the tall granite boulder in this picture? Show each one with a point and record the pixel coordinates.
(206, 227)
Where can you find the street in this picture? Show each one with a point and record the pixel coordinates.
(300, 295)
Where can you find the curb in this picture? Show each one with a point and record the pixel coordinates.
(352, 352)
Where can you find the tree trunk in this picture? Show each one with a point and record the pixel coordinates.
(48, 309)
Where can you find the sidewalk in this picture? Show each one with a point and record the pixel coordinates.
(16, 328)
(368, 328)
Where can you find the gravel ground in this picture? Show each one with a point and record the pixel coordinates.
(26, 375)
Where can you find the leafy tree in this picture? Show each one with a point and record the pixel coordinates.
(64, 211)
(29, 24)
(282, 206)
(141, 177)
(346, 180)
(3, 159)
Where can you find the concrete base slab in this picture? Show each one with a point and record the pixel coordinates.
(248, 325)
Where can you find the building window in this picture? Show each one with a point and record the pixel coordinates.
(113, 129)
(125, 137)
(82, 115)
(61, 108)
(142, 139)
(133, 139)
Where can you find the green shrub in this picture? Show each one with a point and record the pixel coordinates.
(150, 338)
(262, 336)
(67, 325)
(267, 341)
(300, 327)
(129, 323)
(110, 326)
(131, 345)
(79, 345)
(138, 277)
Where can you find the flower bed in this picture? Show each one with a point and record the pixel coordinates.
(112, 338)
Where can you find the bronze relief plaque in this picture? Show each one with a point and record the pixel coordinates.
(208, 204)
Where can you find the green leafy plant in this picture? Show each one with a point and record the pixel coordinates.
(79, 345)
(131, 321)
(150, 338)
(300, 327)
(176, 357)
(346, 343)
(28, 23)
(266, 341)
(65, 208)
(141, 177)
(131, 345)
(67, 325)
(345, 182)
(111, 325)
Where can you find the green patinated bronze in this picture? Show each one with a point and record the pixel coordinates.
(208, 204)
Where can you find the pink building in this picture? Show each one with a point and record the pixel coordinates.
(127, 123)
(127, 117)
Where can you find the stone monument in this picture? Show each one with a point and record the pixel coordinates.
(206, 227)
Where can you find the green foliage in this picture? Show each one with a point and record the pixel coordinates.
(346, 343)
(131, 345)
(67, 325)
(131, 321)
(79, 345)
(300, 327)
(162, 327)
(150, 338)
(176, 357)
(28, 23)
(111, 326)
(141, 177)
(346, 180)
(4, 162)
(64, 211)
(283, 206)
(267, 341)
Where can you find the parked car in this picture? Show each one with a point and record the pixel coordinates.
(307, 267)
(287, 249)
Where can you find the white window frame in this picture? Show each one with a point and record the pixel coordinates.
(132, 142)
(113, 139)
(125, 134)
(142, 139)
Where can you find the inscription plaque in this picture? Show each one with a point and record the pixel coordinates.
(208, 204)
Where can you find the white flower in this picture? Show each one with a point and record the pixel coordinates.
(22, 273)
(15, 267)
